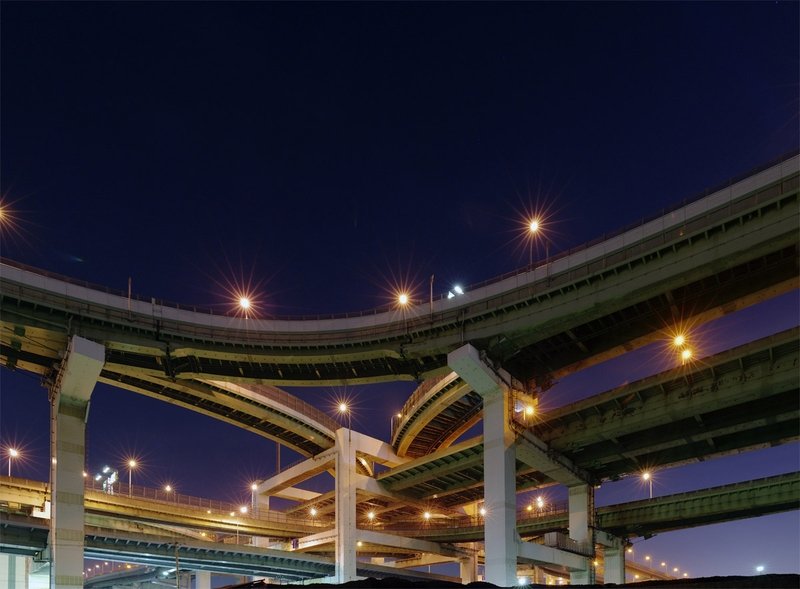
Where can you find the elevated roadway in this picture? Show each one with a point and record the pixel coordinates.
(732, 248)
(108, 538)
(724, 251)
(738, 400)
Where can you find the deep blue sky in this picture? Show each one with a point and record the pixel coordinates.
(327, 152)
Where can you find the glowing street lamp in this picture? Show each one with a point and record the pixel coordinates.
(648, 478)
(540, 502)
(533, 231)
(131, 465)
(403, 299)
(686, 355)
(253, 505)
(13, 454)
(426, 516)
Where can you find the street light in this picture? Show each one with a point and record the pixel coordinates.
(13, 454)
(131, 466)
(533, 231)
(648, 478)
(253, 506)
(344, 409)
(686, 355)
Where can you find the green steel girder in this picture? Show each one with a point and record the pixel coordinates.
(737, 400)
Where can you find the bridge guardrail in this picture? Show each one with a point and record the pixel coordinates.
(387, 308)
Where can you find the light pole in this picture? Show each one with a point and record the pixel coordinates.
(243, 511)
(648, 478)
(131, 466)
(533, 230)
(345, 410)
(13, 453)
(253, 507)
(403, 300)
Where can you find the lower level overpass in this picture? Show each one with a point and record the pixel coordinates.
(203, 543)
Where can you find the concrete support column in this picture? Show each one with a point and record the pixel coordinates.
(14, 571)
(468, 569)
(202, 580)
(581, 504)
(499, 471)
(68, 414)
(499, 465)
(345, 507)
(614, 565)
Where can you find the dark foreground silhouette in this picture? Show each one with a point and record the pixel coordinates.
(756, 582)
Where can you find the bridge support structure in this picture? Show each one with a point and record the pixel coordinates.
(14, 571)
(581, 526)
(345, 507)
(202, 580)
(499, 465)
(69, 410)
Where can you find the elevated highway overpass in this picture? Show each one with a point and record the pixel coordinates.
(726, 250)
(738, 400)
(110, 536)
(501, 344)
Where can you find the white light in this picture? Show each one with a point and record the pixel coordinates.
(106, 469)
(402, 298)
(522, 580)
(243, 509)
(483, 511)
(458, 289)
(450, 294)
(760, 568)
(313, 511)
(254, 487)
(244, 303)
(13, 452)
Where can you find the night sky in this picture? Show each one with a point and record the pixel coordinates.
(326, 154)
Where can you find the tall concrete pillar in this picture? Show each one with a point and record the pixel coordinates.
(614, 565)
(468, 569)
(14, 571)
(581, 505)
(345, 507)
(202, 580)
(499, 465)
(68, 413)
